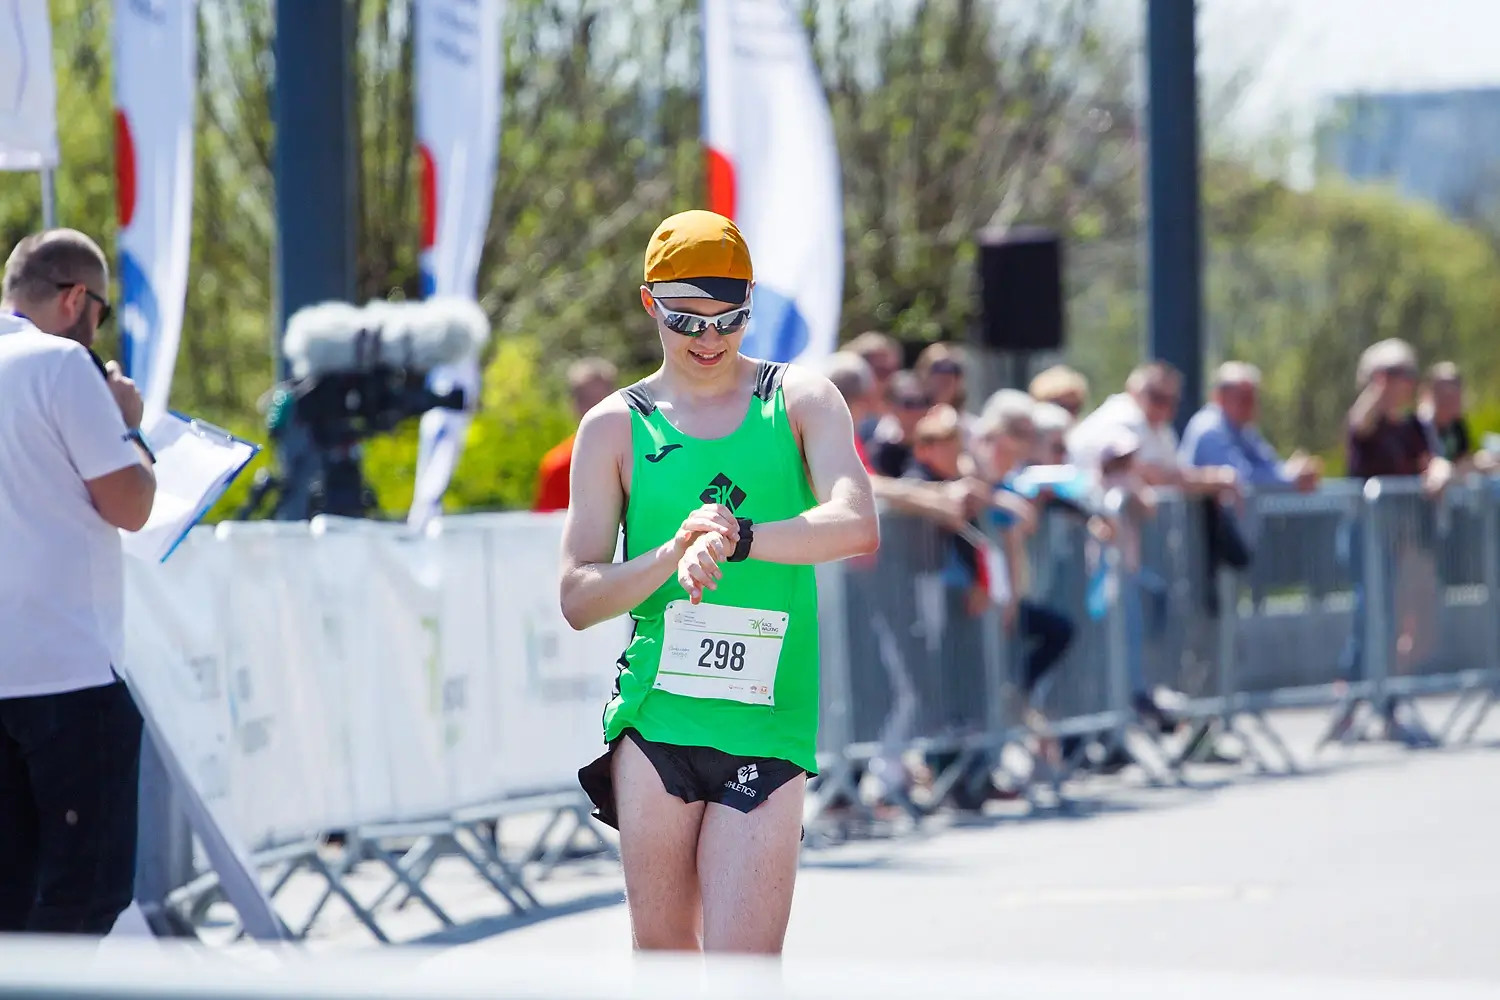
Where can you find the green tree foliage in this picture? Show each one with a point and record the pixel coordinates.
(951, 116)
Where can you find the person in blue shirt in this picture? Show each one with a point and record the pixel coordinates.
(1223, 433)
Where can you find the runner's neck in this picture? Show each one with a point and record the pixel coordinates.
(708, 388)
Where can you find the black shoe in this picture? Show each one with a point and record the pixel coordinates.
(1152, 713)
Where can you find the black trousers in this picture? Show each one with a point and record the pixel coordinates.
(69, 773)
(1046, 634)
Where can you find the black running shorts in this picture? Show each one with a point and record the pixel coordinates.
(693, 774)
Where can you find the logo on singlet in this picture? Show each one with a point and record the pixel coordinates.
(748, 773)
(666, 450)
(722, 490)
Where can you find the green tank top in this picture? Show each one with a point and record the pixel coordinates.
(758, 472)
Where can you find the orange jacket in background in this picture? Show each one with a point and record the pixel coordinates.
(552, 477)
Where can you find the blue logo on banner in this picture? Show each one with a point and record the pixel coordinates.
(429, 283)
(139, 320)
(778, 332)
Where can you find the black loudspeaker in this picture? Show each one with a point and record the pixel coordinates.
(1021, 290)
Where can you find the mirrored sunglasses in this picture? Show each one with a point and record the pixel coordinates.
(693, 325)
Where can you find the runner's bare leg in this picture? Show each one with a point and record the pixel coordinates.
(747, 863)
(658, 849)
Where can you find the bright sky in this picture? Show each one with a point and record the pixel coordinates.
(1307, 50)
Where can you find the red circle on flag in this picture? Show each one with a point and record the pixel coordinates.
(429, 197)
(124, 170)
(720, 184)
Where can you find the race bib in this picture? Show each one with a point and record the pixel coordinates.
(715, 651)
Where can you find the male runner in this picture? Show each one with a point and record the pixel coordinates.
(733, 478)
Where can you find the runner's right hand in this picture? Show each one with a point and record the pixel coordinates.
(701, 567)
(711, 517)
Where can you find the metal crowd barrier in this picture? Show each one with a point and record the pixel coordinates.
(1359, 595)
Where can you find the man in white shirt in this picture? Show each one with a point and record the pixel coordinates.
(1146, 409)
(73, 469)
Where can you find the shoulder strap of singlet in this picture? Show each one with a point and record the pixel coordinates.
(768, 378)
(639, 398)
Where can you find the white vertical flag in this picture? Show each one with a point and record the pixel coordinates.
(773, 167)
(28, 96)
(460, 76)
(156, 75)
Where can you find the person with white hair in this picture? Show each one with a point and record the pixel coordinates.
(1223, 433)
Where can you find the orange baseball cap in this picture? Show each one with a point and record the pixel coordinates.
(698, 255)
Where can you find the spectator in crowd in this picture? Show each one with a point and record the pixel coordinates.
(1052, 423)
(908, 402)
(948, 504)
(883, 354)
(1063, 387)
(943, 369)
(73, 470)
(1223, 434)
(590, 382)
(1125, 491)
(951, 504)
(1384, 438)
(937, 447)
(1442, 414)
(1004, 437)
(1146, 409)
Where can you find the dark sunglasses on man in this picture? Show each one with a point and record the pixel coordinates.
(105, 309)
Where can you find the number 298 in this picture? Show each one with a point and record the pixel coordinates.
(722, 655)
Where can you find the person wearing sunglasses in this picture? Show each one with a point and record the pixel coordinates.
(732, 477)
(72, 472)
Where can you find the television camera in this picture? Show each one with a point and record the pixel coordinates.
(355, 372)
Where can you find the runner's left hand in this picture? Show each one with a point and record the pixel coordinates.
(700, 567)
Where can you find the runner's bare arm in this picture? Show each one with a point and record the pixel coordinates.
(595, 588)
(844, 523)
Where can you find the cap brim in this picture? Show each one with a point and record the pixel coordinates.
(722, 289)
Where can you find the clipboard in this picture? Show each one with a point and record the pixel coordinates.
(195, 463)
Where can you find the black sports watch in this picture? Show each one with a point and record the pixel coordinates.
(747, 538)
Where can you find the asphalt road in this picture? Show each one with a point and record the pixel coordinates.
(1375, 863)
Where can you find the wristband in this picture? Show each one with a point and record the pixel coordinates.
(747, 537)
(134, 434)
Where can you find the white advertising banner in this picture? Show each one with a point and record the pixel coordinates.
(156, 72)
(327, 676)
(552, 696)
(773, 167)
(459, 80)
(28, 94)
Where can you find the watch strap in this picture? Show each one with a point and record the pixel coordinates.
(747, 538)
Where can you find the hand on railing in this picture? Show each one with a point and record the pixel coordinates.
(1019, 508)
(1305, 471)
(1103, 529)
(1436, 477)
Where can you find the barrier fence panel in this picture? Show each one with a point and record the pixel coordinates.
(1296, 611)
(1432, 608)
(1068, 570)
